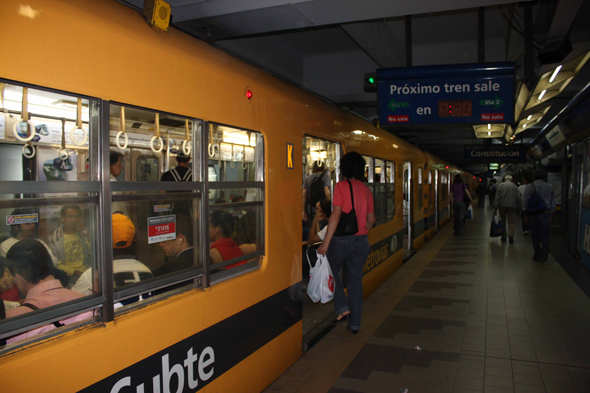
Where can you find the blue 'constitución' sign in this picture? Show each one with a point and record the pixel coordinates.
(465, 93)
(500, 154)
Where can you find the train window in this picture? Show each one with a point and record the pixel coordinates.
(390, 187)
(380, 192)
(155, 196)
(236, 200)
(45, 133)
(49, 206)
(369, 170)
(420, 189)
(430, 189)
(443, 189)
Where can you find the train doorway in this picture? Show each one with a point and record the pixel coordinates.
(321, 159)
(408, 206)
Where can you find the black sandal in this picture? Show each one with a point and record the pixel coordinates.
(343, 317)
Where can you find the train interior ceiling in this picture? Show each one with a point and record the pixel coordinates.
(226, 238)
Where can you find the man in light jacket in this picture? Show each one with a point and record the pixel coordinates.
(508, 200)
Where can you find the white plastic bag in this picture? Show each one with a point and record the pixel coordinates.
(313, 287)
(321, 281)
(469, 214)
(326, 279)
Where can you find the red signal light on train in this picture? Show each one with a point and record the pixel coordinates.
(447, 167)
(249, 94)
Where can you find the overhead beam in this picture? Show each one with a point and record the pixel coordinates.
(318, 13)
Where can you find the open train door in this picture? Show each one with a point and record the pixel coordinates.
(320, 157)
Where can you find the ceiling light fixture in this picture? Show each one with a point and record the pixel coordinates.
(541, 95)
(489, 133)
(489, 126)
(529, 117)
(555, 74)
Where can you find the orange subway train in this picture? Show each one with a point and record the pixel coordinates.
(191, 285)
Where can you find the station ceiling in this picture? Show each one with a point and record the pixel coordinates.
(326, 46)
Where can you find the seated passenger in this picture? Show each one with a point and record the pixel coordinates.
(23, 231)
(223, 248)
(323, 211)
(8, 291)
(30, 265)
(238, 198)
(179, 251)
(126, 268)
(70, 242)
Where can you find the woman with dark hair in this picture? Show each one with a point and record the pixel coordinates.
(223, 247)
(354, 249)
(458, 191)
(323, 211)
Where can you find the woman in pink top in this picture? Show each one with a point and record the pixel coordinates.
(353, 249)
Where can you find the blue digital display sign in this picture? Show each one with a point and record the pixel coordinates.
(467, 94)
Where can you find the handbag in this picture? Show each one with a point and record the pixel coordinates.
(496, 227)
(466, 198)
(347, 225)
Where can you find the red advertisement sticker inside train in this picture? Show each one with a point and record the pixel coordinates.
(492, 116)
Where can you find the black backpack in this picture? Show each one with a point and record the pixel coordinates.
(536, 204)
(316, 190)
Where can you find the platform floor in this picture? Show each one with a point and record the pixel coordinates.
(486, 317)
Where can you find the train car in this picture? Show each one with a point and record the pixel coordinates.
(170, 285)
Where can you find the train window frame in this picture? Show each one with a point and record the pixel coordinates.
(136, 191)
(391, 191)
(254, 259)
(420, 189)
(44, 193)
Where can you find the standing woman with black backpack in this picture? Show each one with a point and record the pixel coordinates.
(316, 187)
(346, 239)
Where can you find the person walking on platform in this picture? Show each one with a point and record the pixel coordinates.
(459, 191)
(492, 191)
(538, 205)
(349, 194)
(528, 178)
(481, 193)
(508, 201)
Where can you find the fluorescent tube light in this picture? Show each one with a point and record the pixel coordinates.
(541, 95)
(555, 74)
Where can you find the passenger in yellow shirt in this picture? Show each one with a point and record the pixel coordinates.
(70, 242)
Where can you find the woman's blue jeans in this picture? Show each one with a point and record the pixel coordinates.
(459, 209)
(354, 250)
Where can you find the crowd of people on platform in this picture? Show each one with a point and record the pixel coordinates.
(510, 200)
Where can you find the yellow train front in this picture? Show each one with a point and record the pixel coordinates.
(96, 107)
